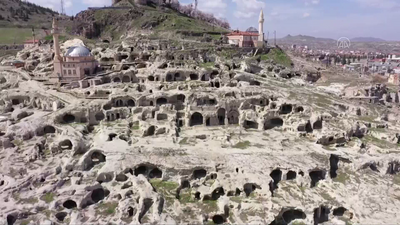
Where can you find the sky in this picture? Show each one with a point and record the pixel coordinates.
(318, 18)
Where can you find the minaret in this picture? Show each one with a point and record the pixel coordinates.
(57, 62)
(33, 35)
(56, 33)
(261, 27)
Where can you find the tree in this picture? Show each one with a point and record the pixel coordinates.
(359, 58)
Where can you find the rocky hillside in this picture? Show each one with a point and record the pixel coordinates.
(196, 135)
(111, 23)
(16, 13)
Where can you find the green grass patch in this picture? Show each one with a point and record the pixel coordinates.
(369, 119)
(25, 222)
(242, 145)
(107, 208)
(186, 197)
(207, 65)
(278, 56)
(378, 142)
(184, 141)
(48, 197)
(31, 200)
(208, 206)
(166, 188)
(18, 142)
(396, 179)
(15, 35)
(342, 177)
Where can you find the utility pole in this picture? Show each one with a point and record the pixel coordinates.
(275, 37)
(62, 8)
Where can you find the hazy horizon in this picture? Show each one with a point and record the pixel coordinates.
(317, 18)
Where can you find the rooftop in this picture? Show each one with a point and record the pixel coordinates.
(241, 33)
(78, 51)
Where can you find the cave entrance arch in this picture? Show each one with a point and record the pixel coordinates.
(68, 118)
(196, 119)
(99, 116)
(126, 79)
(221, 116)
(272, 123)
(131, 103)
(162, 101)
(49, 130)
(194, 76)
(117, 80)
(233, 117)
(250, 124)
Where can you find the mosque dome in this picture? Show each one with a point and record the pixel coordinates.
(252, 30)
(78, 51)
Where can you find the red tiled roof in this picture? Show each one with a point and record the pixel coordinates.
(242, 33)
(31, 41)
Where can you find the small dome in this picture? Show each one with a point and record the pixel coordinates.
(252, 30)
(78, 51)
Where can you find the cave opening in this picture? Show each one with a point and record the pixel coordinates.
(272, 123)
(321, 215)
(248, 188)
(196, 119)
(286, 216)
(117, 80)
(233, 117)
(97, 157)
(218, 219)
(317, 125)
(15, 102)
(99, 116)
(334, 165)
(316, 176)
(151, 131)
(112, 136)
(276, 176)
(147, 202)
(69, 204)
(299, 109)
(285, 109)
(121, 177)
(199, 173)
(61, 216)
(161, 101)
(48, 130)
(141, 170)
(218, 192)
(66, 145)
(68, 118)
(126, 79)
(339, 211)
(221, 116)
(291, 175)
(309, 128)
(11, 219)
(155, 173)
(194, 76)
(250, 124)
(98, 195)
(131, 103)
